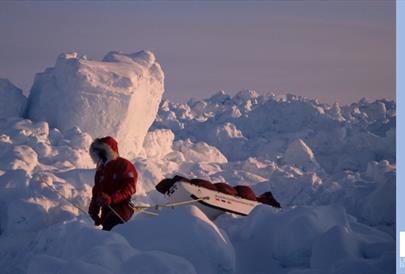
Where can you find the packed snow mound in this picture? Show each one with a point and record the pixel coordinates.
(201, 241)
(78, 241)
(118, 96)
(76, 247)
(371, 250)
(13, 101)
(310, 239)
(152, 262)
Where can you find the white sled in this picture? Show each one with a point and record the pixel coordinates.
(214, 204)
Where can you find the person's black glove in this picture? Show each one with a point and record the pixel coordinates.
(97, 220)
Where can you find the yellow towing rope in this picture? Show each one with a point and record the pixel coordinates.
(75, 205)
(157, 206)
(136, 208)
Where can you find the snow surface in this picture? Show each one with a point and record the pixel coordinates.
(331, 167)
(187, 233)
(118, 96)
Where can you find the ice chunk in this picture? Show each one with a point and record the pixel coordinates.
(377, 171)
(300, 154)
(200, 152)
(118, 96)
(158, 143)
(379, 206)
(245, 95)
(12, 103)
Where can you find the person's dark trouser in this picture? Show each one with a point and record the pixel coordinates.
(110, 222)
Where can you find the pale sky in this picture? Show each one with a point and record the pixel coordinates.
(332, 50)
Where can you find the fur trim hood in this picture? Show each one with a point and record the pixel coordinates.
(107, 144)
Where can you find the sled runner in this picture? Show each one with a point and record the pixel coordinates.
(214, 199)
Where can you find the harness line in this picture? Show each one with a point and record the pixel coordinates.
(136, 208)
(61, 195)
(157, 206)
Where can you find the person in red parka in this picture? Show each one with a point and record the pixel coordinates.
(115, 182)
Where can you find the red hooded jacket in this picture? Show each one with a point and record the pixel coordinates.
(115, 176)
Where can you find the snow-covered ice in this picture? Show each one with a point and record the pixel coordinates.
(299, 154)
(332, 167)
(12, 101)
(187, 233)
(320, 238)
(118, 96)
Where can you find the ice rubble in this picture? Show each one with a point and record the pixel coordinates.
(332, 168)
(263, 126)
(118, 96)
